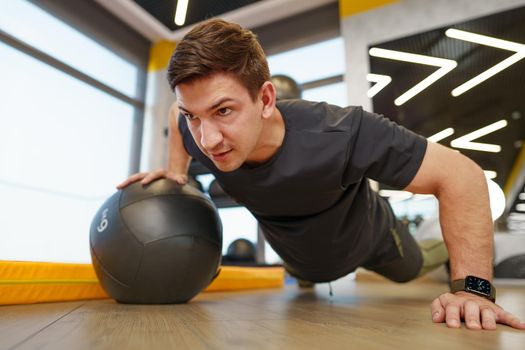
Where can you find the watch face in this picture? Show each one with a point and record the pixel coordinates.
(478, 285)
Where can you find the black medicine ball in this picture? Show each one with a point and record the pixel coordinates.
(241, 250)
(156, 244)
(287, 88)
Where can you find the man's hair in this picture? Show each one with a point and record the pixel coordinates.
(219, 46)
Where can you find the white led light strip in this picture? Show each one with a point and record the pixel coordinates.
(445, 66)
(180, 13)
(381, 82)
(441, 135)
(490, 174)
(518, 48)
(465, 142)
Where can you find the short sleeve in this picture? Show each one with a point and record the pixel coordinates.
(383, 151)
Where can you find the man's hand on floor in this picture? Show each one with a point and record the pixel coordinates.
(477, 312)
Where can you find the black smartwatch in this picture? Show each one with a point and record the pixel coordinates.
(474, 285)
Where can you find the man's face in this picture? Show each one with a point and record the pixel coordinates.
(222, 118)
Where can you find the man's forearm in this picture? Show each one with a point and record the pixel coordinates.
(466, 223)
(178, 159)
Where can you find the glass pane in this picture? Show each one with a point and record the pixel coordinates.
(64, 146)
(334, 93)
(270, 256)
(310, 63)
(34, 26)
(237, 223)
(205, 180)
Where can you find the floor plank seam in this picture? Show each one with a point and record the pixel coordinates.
(45, 327)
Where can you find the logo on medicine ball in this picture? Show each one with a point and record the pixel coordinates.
(104, 222)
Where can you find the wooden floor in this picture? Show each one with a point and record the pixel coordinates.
(360, 315)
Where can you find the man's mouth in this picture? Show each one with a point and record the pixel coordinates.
(220, 155)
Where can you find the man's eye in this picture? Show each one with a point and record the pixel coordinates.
(190, 116)
(224, 111)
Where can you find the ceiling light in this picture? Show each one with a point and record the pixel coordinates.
(445, 65)
(441, 135)
(490, 174)
(466, 141)
(518, 48)
(520, 207)
(395, 196)
(522, 196)
(180, 13)
(395, 193)
(380, 80)
(497, 199)
(419, 197)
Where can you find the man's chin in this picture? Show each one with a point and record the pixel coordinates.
(226, 168)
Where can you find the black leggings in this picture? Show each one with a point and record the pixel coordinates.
(399, 259)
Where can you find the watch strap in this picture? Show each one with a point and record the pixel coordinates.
(459, 285)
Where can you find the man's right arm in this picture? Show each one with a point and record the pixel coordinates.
(178, 159)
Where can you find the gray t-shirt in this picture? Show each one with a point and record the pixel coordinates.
(312, 198)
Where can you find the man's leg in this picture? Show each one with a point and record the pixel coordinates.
(402, 258)
(300, 281)
(430, 239)
(435, 254)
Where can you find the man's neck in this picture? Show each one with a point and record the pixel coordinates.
(271, 138)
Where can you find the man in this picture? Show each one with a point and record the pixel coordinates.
(302, 169)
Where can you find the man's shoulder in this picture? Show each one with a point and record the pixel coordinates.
(318, 116)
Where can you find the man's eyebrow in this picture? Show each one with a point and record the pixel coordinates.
(184, 109)
(220, 102)
(212, 107)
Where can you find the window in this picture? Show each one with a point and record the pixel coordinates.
(310, 65)
(333, 93)
(63, 141)
(46, 33)
(237, 222)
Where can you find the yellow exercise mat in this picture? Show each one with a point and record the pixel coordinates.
(24, 282)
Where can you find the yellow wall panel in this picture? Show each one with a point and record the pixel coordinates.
(351, 7)
(160, 54)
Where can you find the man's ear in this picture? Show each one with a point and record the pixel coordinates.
(268, 97)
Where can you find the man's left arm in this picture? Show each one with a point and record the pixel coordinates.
(466, 222)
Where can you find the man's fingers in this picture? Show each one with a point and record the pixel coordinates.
(122, 184)
(488, 318)
(147, 179)
(437, 311)
(131, 179)
(471, 310)
(154, 175)
(510, 319)
(478, 313)
(181, 179)
(452, 316)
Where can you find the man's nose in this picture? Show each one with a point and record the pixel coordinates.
(211, 136)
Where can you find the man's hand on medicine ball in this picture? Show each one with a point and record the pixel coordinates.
(162, 173)
(181, 179)
(147, 177)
